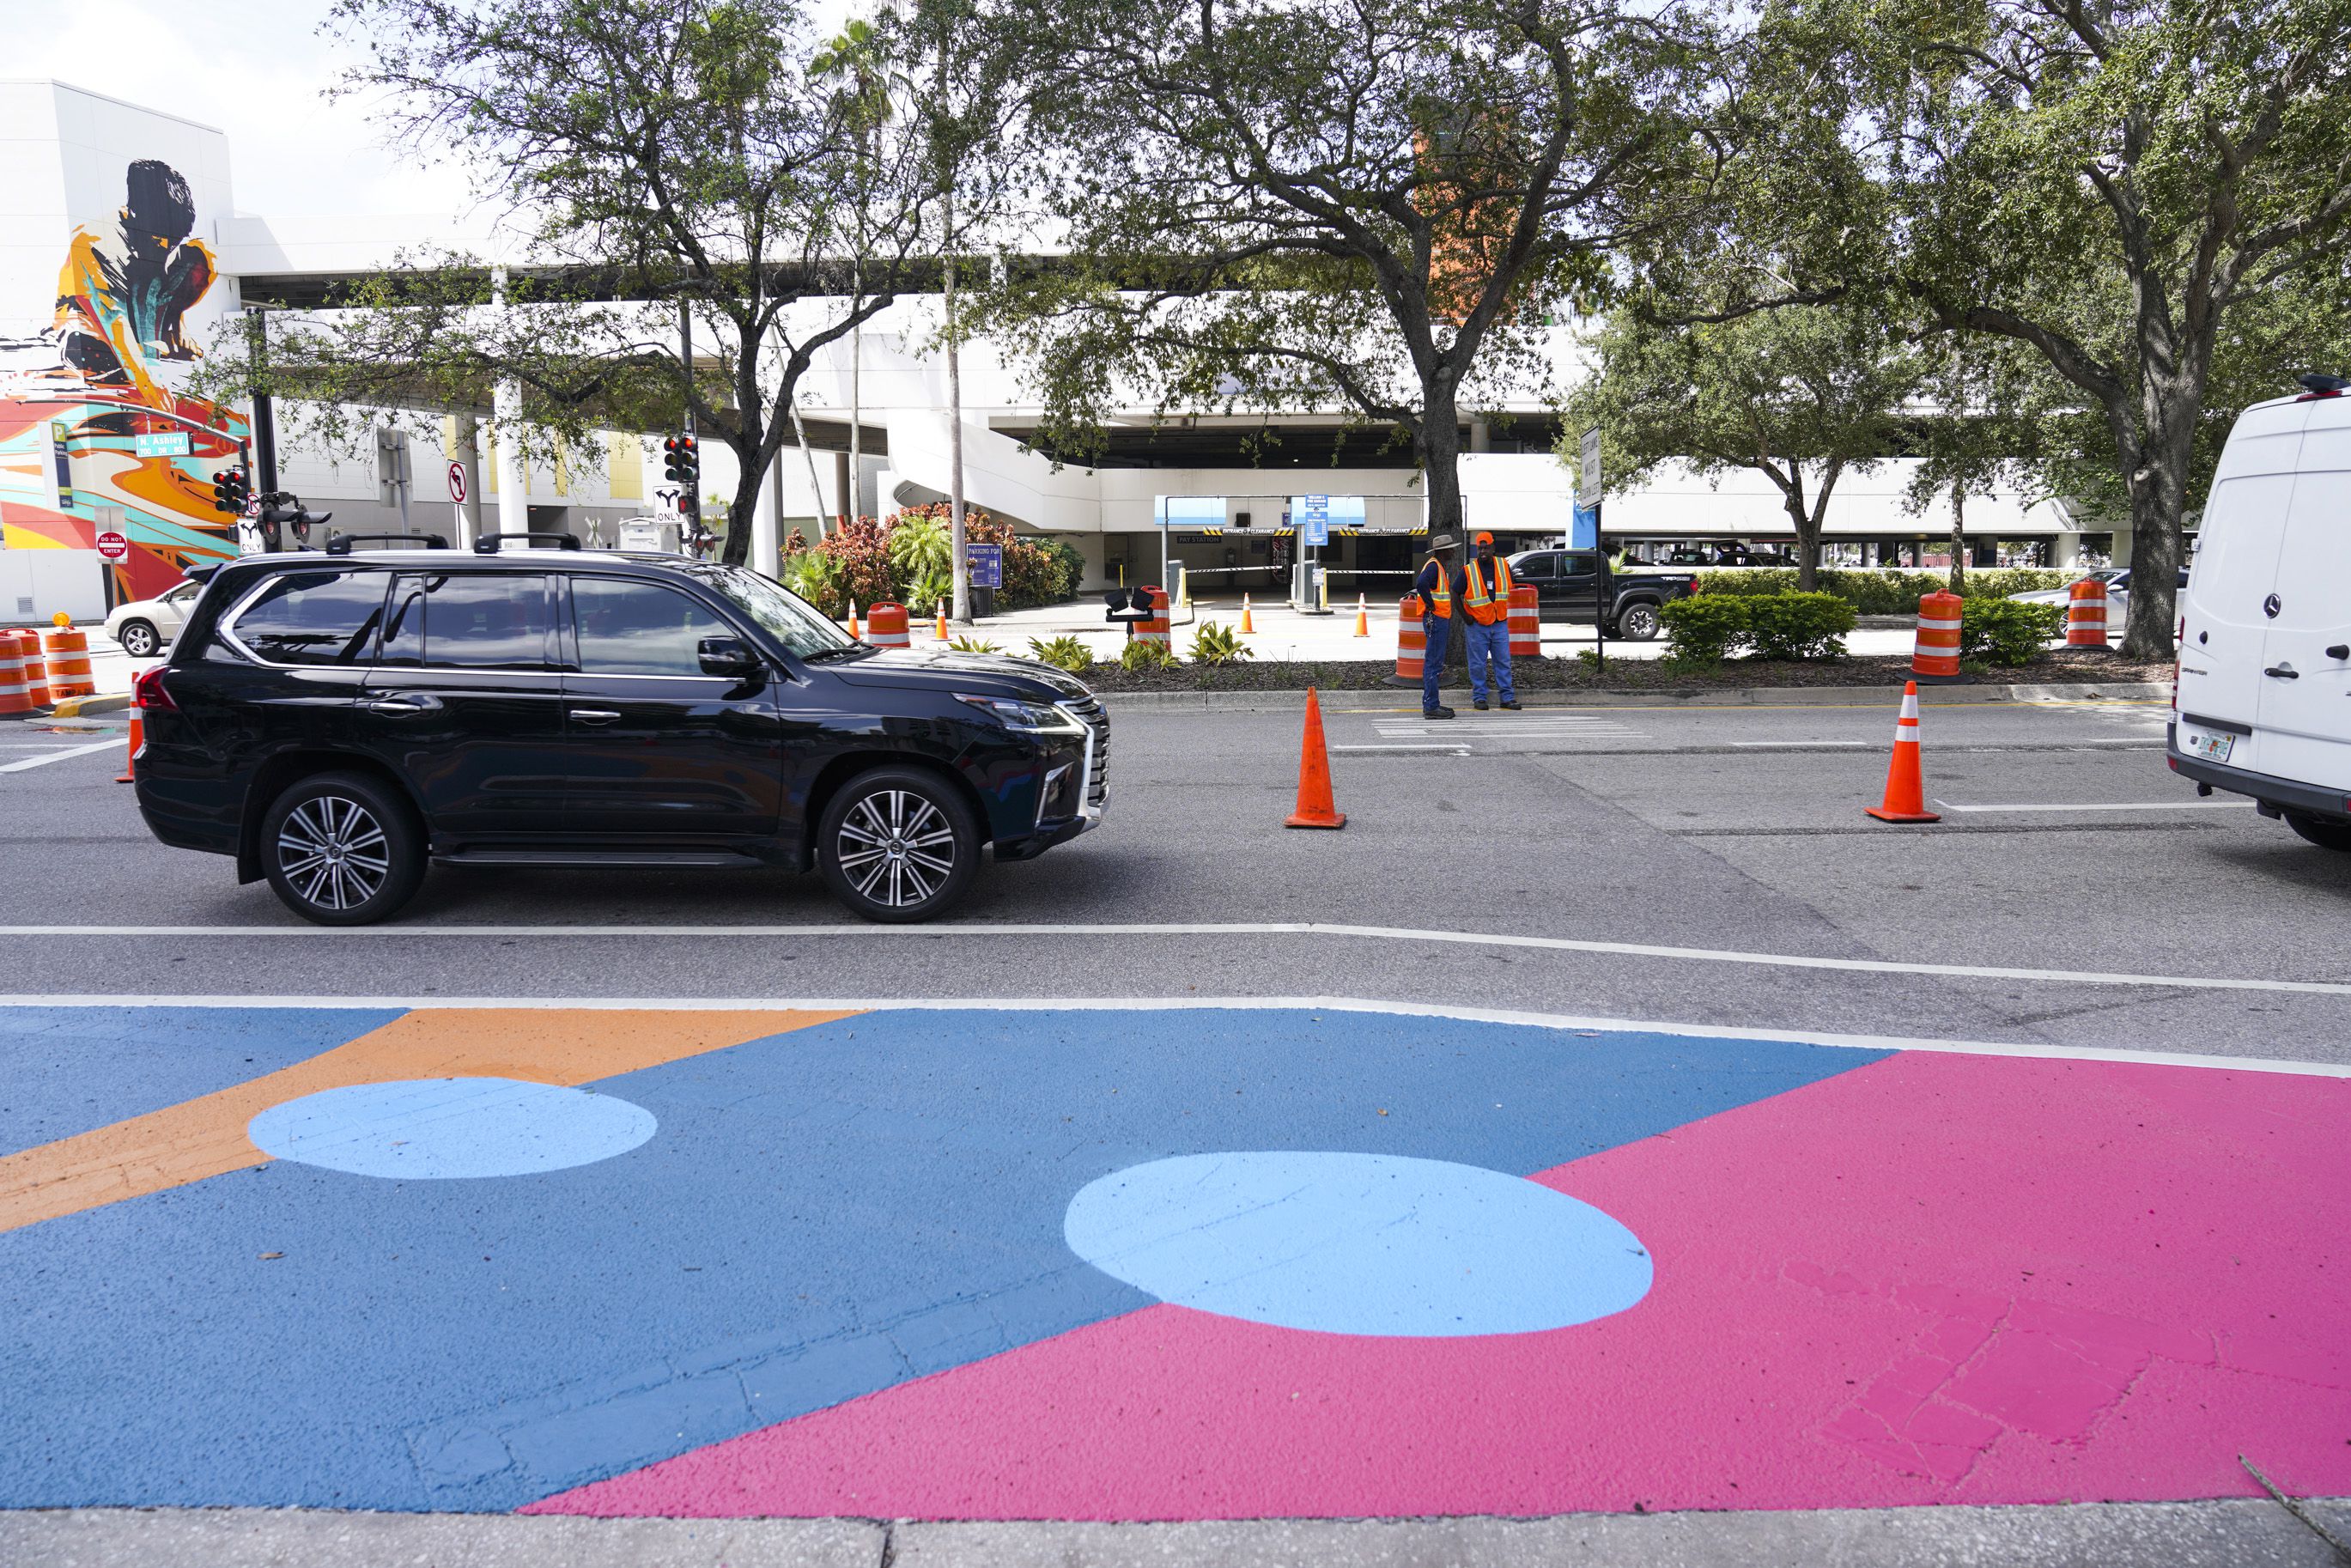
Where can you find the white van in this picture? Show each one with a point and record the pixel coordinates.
(2262, 706)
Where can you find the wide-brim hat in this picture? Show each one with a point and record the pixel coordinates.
(1442, 542)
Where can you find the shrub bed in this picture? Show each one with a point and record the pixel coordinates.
(1878, 591)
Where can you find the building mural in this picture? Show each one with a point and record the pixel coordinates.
(96, 432)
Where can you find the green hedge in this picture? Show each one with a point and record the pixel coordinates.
(2000, 632)
(1878, 591)
(1798, 625)
(1701, 628)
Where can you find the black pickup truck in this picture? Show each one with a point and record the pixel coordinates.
(1565, 582)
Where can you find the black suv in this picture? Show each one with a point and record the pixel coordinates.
(334, 721)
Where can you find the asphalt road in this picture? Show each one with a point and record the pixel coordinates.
(2066, 848)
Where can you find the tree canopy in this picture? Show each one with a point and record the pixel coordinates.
(1379, 206)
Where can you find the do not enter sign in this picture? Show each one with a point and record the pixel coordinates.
(112, 546)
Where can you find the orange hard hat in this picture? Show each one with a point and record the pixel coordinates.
(1483, 538)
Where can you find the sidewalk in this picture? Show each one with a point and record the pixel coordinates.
(1283, 633)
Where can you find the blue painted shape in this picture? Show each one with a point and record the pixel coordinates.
(821, 1211)
(444, 1128)
(1358, 1244)
(66, 1070)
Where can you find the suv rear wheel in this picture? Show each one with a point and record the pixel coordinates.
(2325, 834)
(343, 849)
(897, 845)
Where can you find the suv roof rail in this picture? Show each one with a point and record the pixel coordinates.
(341, 543)
(488, 543)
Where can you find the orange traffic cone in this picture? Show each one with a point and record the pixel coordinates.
(1315, 806)
(853, 632)
(941, 628)
(1363, 616)
(138, 737)
(1248, 626)
(1905, 792)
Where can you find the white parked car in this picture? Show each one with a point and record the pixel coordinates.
(2263, 706)
(2117, 580)
(145, 627)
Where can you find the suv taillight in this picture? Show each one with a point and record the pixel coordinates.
(148, 691)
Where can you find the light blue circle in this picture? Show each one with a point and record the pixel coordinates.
(434, 1128)
(1360, 1244)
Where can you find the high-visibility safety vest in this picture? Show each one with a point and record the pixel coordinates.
(1440, 602)
(1487, 601)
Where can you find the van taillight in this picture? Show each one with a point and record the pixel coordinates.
(2179, 637)
(149, 693)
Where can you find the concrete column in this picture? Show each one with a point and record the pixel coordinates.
(466, 450)
(514, 474)
(766, 533)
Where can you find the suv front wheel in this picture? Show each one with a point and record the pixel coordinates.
(341, 849)
(897, 845)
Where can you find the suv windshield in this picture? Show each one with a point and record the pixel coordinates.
(791, 619)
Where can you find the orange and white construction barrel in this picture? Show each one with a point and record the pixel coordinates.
(2086, 614)
(65, 651)
(1526, 624)
(1936, 655)
(1156, 628)
(1412, 642)
(15, 695)
(28, 653)
(887, 625)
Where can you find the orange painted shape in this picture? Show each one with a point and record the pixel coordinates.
(206, 1138)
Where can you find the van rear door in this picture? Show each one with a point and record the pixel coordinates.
(2304, 719)
(2225, 627)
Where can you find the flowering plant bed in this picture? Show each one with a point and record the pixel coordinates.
(2057, 665)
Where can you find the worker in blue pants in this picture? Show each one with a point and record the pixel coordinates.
(1436, 586)
(1486, 622)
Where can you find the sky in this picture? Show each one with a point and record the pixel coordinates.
(255, 69)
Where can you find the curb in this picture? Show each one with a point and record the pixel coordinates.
(1737, 697)
(83, 707)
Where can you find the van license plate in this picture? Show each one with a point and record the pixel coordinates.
(2211, 747)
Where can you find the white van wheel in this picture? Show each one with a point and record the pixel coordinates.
(2326, 835)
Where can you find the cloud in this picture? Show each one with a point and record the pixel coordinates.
(255, 69)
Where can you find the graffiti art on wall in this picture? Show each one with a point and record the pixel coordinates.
(96, 432)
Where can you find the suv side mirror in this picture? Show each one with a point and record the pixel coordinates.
(728, 657)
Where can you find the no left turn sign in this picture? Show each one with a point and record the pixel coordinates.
(458, 482)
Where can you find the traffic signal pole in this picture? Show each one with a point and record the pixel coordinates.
(264, 422)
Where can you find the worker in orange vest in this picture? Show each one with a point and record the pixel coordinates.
(1438, 582)
(1486, 599)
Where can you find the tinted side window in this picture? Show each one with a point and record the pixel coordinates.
(470, 620)
(314, 618)
(1575, 565)
(640, 628)
(1536, 568)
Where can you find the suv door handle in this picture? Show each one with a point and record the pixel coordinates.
(406, 701)
(594, 714)
(2283, 671)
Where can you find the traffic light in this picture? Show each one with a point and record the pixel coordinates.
(231, 489)
(284, 509)
(682, 466)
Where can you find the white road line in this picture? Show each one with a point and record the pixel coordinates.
(2116, 806)
(2030, 1049)
(113, 745)
(1806, 744)
(937, 931)
(1455, 750)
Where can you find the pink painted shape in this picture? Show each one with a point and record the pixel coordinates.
(1934, 1279)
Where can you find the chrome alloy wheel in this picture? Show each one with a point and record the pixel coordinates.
(896, 848)
(332, 852)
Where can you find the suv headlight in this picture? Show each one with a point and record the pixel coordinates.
(1034, 718)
